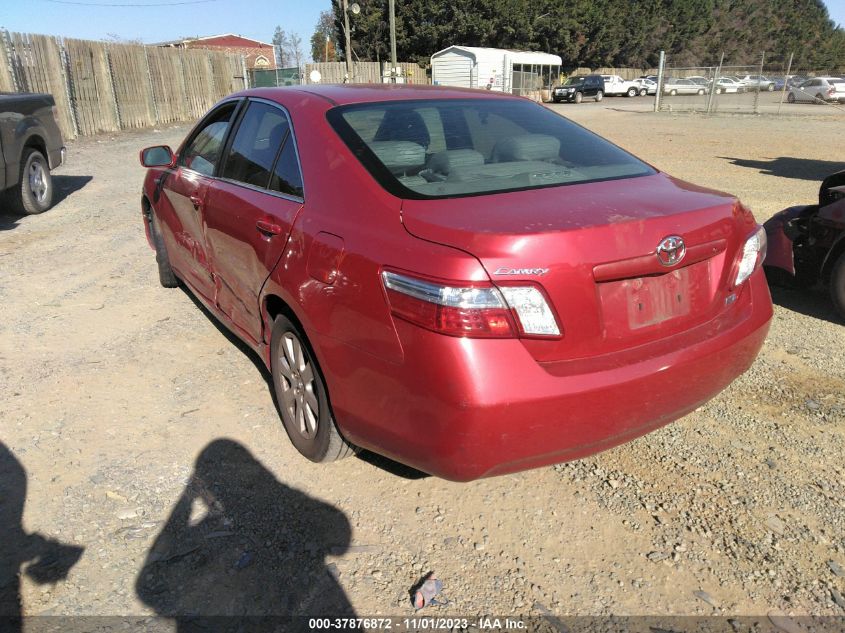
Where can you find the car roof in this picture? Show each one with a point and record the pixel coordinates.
(344, 94)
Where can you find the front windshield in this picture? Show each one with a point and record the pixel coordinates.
(449, 148)
(573, 80)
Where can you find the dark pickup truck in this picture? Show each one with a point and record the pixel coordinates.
(30, 146)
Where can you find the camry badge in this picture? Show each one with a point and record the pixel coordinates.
(504, 270)
(671, 250)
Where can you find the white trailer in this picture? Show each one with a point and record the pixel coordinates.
(519, 72)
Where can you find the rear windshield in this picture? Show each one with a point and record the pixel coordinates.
(452, 148)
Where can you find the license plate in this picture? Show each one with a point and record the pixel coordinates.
(652, 300)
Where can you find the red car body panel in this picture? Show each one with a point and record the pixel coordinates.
(464, 408)
(780, 253)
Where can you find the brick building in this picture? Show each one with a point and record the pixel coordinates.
(259, 55)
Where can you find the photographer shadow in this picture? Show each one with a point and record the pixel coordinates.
(243, 551)
(46, 560)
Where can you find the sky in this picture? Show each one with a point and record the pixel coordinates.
(153, 21)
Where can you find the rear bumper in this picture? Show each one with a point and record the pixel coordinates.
(463, 409)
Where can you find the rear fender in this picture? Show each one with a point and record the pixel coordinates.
(779, 253)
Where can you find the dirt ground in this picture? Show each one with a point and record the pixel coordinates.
(148, 436)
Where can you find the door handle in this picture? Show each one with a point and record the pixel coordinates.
(196, 200)
(268, 228)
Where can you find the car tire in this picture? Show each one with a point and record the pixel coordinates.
(700, 91)
(632, 92)
(599, 96)
(166, 276)
(643, 92)
(718, 91)
(579, 97)
(770, 87)
(34, 191)
(837, 285)
(555, 100)
(790, 98)
(820, 99)
(299, 387)
(673, 92)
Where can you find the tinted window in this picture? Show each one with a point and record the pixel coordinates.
(490, 145)
(257, 141)
(287, 176)
(203, 151)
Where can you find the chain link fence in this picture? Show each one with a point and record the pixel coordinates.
(761, 88)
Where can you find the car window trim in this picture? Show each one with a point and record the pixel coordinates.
(290, 134)
(199, 127)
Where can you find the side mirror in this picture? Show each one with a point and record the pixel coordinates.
(158, 156)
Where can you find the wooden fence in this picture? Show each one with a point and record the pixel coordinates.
(364, 72)
(103, 87)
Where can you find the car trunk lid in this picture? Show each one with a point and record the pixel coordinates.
(592, 247)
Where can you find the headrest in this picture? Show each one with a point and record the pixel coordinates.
(399, 156)
(527, 147)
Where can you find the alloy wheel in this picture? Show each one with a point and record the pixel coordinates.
(38, 181)
(299, 398)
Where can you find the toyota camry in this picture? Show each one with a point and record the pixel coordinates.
(463, 281)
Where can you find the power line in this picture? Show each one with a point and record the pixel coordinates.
(127, 4)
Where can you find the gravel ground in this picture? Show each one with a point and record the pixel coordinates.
(149, 438)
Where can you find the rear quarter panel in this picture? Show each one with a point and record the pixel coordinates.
(343, 201)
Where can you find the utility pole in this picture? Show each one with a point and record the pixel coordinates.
(349, 73)
(392, 5)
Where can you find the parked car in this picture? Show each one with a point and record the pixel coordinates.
(728, 85)
(614, 85)
(819, 90)
(807, 243)
(788, 81)
(673, 86)
(758, 82)
(30, 147)
(577, 87)
(647, 87)
(463, 281)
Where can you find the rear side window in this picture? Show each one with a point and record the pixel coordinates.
(287, 176)
(450, 148)
(259, 136)
(202, 152)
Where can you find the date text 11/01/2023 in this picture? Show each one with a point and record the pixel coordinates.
(417, 624)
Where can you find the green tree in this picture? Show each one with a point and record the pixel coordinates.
(324, 39)
(604, 32)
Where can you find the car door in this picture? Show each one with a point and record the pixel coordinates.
(184, 188)
(250, 210)
(805, 90)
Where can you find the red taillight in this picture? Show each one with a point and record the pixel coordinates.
(471, 309)
(476, 311)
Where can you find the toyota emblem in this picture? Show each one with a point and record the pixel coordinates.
(671, 250)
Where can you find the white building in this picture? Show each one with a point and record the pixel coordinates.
(518, 72)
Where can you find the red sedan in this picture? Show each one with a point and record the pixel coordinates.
(460, 280)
